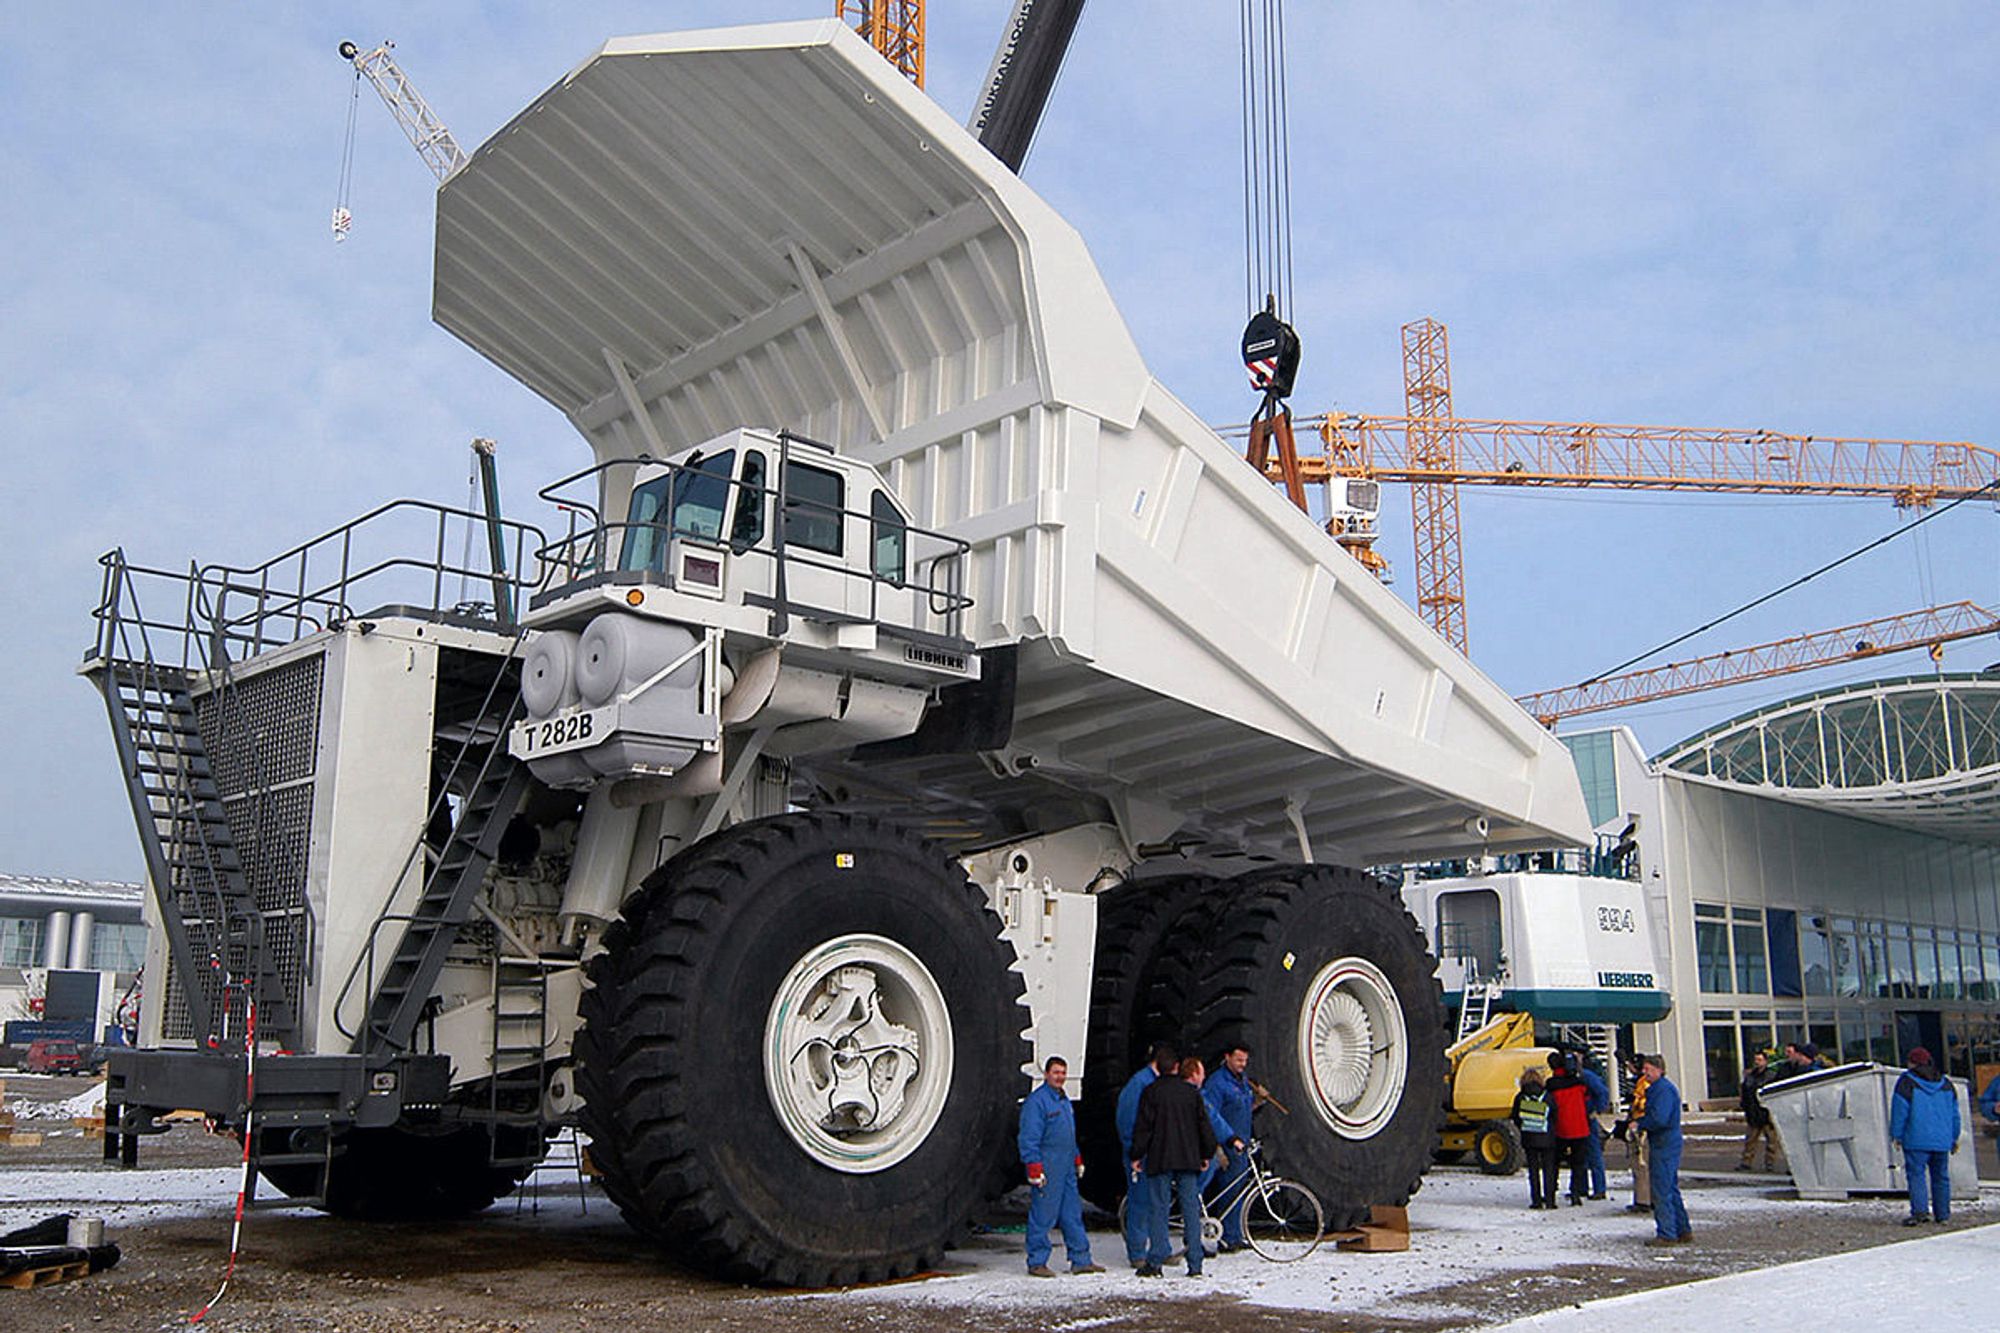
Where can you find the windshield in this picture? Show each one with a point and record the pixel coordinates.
(689, 501)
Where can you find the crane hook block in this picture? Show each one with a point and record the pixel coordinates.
(348, 50)
(1271, 354)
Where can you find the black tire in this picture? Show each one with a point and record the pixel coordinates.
(1140, 993)
(403, 1173)
(1282, 927)
(670, 1055)
(1497, 1145)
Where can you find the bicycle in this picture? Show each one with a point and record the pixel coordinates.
(1282, 1219)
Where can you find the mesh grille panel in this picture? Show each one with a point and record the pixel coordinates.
(262, 738)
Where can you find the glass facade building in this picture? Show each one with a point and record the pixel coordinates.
(1824, 869)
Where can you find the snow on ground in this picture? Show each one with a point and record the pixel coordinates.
(117, 1196)
(89, 1102)
(1464, 1227)
(1939, 1282)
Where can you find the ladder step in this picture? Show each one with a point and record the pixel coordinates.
(289, 1159)
(265, 1203)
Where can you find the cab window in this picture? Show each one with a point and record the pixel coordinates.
(887, 537)
(687, 502)
(813, 503)
(748, 529)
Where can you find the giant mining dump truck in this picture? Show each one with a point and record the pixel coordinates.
(910, 689)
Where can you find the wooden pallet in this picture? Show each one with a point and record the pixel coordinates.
(29, 1278)
(20, 1138)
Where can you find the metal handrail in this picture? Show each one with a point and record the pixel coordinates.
(334, 596)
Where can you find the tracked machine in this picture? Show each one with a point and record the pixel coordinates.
(914, 689)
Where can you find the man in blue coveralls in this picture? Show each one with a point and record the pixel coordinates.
(1228, 1092)
(1599, 1101)
(1662, 1123)
(1138, 1199)
(1048, 1150)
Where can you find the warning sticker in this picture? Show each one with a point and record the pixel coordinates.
(1288, 960)
(843, 860)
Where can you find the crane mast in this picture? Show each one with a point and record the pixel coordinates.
(893, 27)
(427, 134)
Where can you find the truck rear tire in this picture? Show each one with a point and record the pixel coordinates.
(1498, 1144)
(1138, 925)
(1325, 976)
(405, 1173)
(802, 1053)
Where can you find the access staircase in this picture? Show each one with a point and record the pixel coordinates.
(397, 1003)
(215, 929)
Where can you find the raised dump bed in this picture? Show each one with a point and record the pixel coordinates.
(698, 231)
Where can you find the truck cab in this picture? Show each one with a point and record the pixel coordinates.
(759, 577)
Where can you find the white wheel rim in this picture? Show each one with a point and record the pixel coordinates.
(1353, 1047)
(858, 1053)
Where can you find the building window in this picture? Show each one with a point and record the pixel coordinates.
(1846, 959)
(118, 946)
(1902, 963)
(1757, 1035)
(1752, 973)
(1718, 1044)
(1711, 949)
(1989, 968)
(1874, 962)
(1596, 759)
(1853, 1038)
(1948, 986)
(20, 941)
(1781, 931)
(1816, 956)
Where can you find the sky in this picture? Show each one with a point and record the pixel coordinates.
(1775, 215)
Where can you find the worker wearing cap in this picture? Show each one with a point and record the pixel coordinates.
(1923, 1118)
(1048, 1150)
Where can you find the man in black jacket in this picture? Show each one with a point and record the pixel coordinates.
(1756, 1120)
(1171, 1142)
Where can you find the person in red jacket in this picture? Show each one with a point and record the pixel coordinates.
(1569, 1107)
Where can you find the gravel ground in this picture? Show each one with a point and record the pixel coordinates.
(561, 1258)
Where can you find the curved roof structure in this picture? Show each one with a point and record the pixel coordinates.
(1917, 752)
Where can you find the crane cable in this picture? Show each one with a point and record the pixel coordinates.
(342, 218)
(1267, 160)
(1990, 488)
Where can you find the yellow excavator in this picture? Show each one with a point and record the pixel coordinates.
(1483, 1074)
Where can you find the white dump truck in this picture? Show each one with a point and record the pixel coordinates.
(915, 690)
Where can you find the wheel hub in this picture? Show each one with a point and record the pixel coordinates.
(858, 1053)
(1353, 1047)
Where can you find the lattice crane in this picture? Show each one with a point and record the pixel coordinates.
(1437, 451)
(1930, 628)
(893, 27)
(426, 132)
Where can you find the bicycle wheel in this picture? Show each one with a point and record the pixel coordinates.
(1283, 1221)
